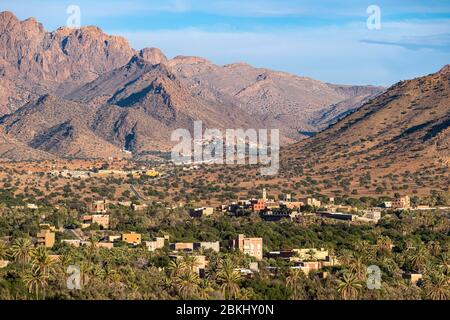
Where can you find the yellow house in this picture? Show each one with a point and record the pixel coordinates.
(46, 238)
(132, 238)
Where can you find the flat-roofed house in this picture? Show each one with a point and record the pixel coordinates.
(3, 263)
(373, 214)
(387, 204)
(105, 245)
(251, 246)
(132, 238)
(100, 206)
(113, 238)
(338, 216)
(155, 245)
(101, 219)
(258, 205)
(402, 203)
(72, 242)
(313, 202)
(283, 254)
(293, 205)
(215, 246)
(201, 212)
(182, 246)
(307, 267)
(139, 207)
(46, 238)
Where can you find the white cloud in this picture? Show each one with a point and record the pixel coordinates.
(333, 54)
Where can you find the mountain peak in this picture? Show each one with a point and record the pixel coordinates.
(152, 55)
(445, 69)
(95, 33)
(8, 15)
(7, 19)
(60, 60)
(189, 60)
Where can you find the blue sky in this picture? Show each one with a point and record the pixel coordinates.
(326, 40)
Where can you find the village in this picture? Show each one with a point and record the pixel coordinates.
(306, 259)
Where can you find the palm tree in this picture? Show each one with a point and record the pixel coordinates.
(92, 276)
(176, 267)
(437, 287)
(391, 266)
(444, 263)
(434, 248)
(41, 261)
(365, 249)
(110, 275)
(384, 245)
(167, 283)
(418, 259)
(205, 289)
(293, 281)
(86, 269)
(21, 250)
(3, 250)
(246, 294)
(187, 284)
(36, 280)
(345, 257)
(92, 251)
(190, 263)
(229, 278)
(349, 286)
(358, 267)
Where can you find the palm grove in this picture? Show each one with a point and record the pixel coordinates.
(401, 242)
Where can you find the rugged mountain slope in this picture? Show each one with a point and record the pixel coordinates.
(144, 102)
(16, 150)
(139, 107)
(284, 100)
(223, 97)
(67, 91)
(54, 61)
(405, 128)
(357, 96)
(58, 127)
(399, 142)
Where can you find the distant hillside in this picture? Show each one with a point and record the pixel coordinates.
(399, 142)
(285, 101)
(404, 131)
